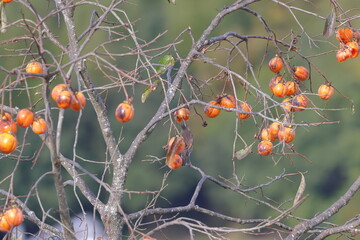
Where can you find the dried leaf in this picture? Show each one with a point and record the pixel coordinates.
(243, 153)
(3, 19)
(300, 190)
(329, 27)
(171, 1)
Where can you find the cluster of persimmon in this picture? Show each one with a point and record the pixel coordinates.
(281, 88)
(349, 47)
(8, 128)
(294, 101)
(275, 131)
(11, 217)
(227, 101)
(65, 97)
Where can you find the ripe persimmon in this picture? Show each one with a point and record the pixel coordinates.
(286, 105)
(7, 1)
(301, 73)
(292, 88)
(39, 126)
(300, 102)
(7, 126)
(8, 143)
(265, 147)
(326, 91)
(25, 118)
(265, 135)
(4, 226)
(6, 116)
(353, 48)
(280, 90)
(245, 107)
(63, 100)
(210, 111)
(124, 111)
(34, 67)
(344, 35)
(275, 64)
(176, 163)
(274, 81)
(182, 114)
(78, 101)
(274, 129)
(13, 216)
(343, 54)
(286, 134)
(228, 101)
(57, 90)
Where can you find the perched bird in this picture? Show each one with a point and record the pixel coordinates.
(188, 139)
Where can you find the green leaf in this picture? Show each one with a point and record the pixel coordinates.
(164, 63)
(149, 90)
(243, 153)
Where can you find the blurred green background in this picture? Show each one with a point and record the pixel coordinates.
(331, 151)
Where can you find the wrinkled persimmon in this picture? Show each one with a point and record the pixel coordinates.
(344, 35)
(343, 54)
(326, 91)
(301, 73)
(275, 64)
(292, 88)
(182, 114)
(300, 102)
(265, 135)
(286, 105)
(265, 147)
(274, 129)
(353, 48)
(244, 107)
(286, 134)
(228, 101)
(274, 81)
(210, 111)
(280, 90)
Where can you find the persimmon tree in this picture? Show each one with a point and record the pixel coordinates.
(69, 45)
